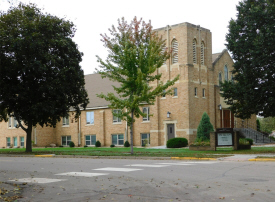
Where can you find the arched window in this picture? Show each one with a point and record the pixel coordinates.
(202, 53)
(220, 78)
(174, 51)
(225, 73)
(194, 51)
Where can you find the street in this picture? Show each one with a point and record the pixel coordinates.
(85, 179)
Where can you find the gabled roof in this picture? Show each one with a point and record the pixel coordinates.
(217, 56)
(94, 85)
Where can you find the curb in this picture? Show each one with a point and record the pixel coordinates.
(261, 159)
(193, 158)
(45, 155)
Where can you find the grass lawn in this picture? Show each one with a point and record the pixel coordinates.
(122, 151)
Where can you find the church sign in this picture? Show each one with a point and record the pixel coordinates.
(224, 137)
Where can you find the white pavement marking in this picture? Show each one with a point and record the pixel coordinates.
(187, 163)
(82, 174)
(118, 169)
(37, 180)
(177, 164)
(146, 165)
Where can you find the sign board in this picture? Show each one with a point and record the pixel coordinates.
(224, 137)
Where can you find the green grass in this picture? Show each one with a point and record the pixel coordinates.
(122, 151)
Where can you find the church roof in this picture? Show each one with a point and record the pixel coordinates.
(217, 56)
(94, 85)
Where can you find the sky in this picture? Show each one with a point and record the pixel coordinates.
(95, 17)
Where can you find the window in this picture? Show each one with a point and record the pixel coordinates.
(13, 123)
(89, 118)
(175, 92)
(90, 140)
(174, 51)
(203, 92)
(196, 92)
(220, 78)
(202, 53)
(15, 141)
(66, 140)
(145, 110)
(145, 139)
(116, 119)
(118, 139)
(8, 141)
(65, 121)
(22, 141)
(163, 93)
(194, 51)
(225, 73)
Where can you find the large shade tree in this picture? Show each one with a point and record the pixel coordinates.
(251, 40)
(40, 76)
(135, 54)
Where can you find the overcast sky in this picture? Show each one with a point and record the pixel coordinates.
(93, 17)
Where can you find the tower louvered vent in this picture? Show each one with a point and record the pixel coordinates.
(175, 51)
(194, 51)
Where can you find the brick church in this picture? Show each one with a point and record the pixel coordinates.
(177, 115)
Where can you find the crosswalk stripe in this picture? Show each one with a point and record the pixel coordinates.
(118, 169)
(37, 180)
(82, 174)
(147, 165)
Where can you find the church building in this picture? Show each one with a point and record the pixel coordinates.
(178, 115)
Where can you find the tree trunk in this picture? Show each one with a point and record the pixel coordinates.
(29, 138)
(131, 132)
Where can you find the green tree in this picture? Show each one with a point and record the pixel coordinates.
(40, 75)
(204, 128)
(267, 124)
(258, 125)
(251, 40)
(135, 54)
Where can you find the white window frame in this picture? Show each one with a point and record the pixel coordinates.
(65, 121)
(147, 112)
(8, 142)
(22, 145)
(118, 139)
(115, 118)
(142, 139)
(90, 118)
(67, 141)
(91, 142)
(15, 138)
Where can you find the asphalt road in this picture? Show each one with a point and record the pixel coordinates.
(84, 179)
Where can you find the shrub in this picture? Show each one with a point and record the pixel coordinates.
(126, 144)
(85, 146)
(112, 145)
(204, 128)
(177, 142)
(61, 146)
(98, 144)
(250, 141)
(201, 142)
(71, 144)
(243, 141)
